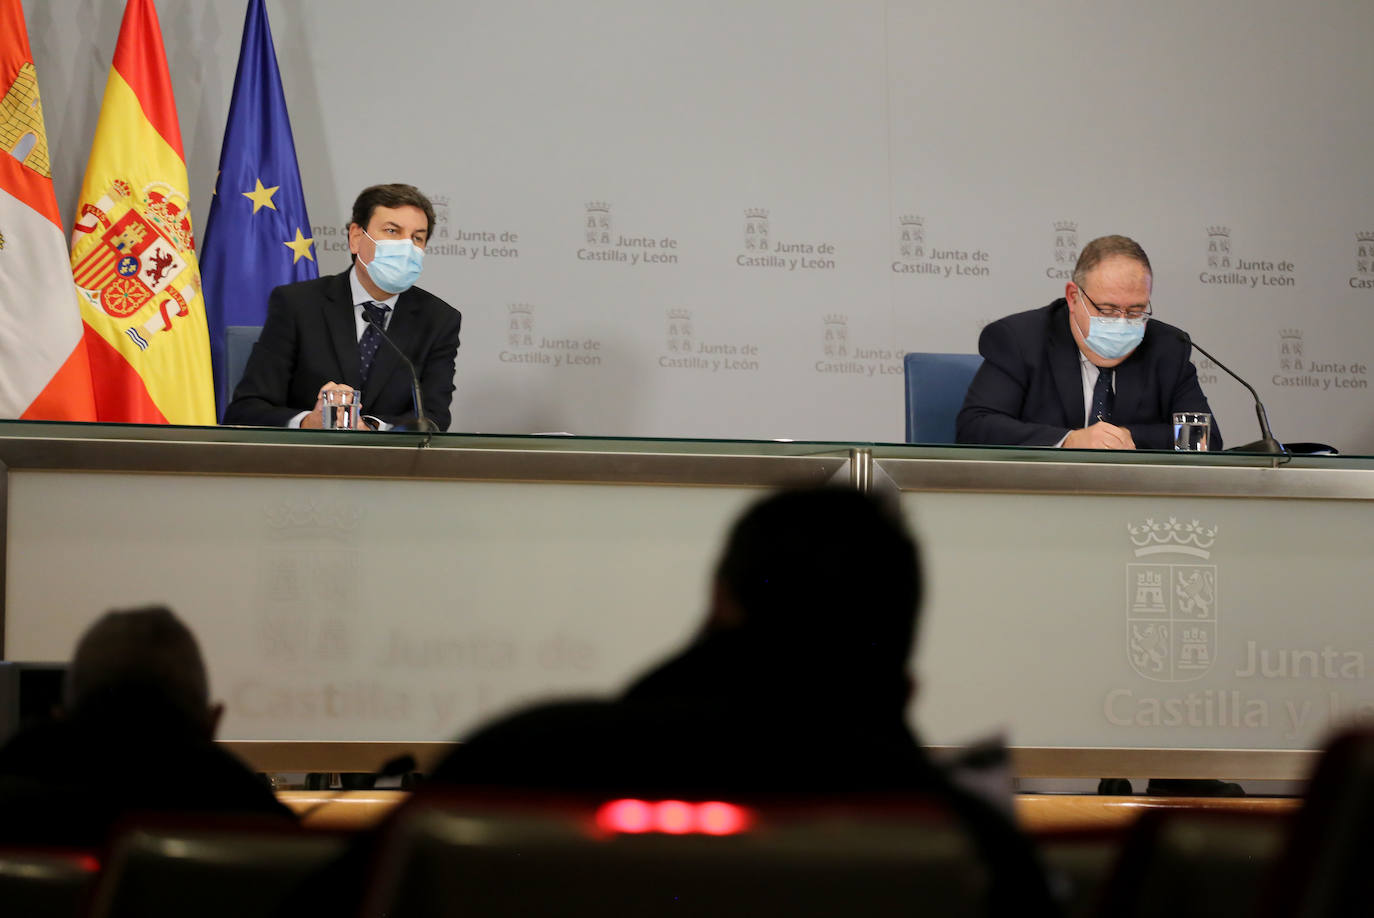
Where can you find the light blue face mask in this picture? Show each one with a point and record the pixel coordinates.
(396, 265)
(1113, 338)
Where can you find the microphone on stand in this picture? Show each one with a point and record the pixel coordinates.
(400, 766)
(1266, 443)
(425, 425)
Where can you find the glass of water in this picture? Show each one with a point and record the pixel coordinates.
(1192, 429)
(341, 408)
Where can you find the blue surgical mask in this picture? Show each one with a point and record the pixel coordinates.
(1113, 338)
(396, 265)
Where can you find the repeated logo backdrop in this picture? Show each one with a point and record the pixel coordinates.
(732, 219)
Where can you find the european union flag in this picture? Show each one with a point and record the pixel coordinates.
(258, 234)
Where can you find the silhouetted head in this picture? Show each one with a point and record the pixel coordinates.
(825, 581)
(144, 659)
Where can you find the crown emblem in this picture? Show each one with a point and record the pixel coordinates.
(312, 519)
(1364, 237)
(166, 209)
(1152, 537)
(521, 309)
(1218, 231)
(756, 213)
(1066, 226)
(440, 200)
(1290, 334)
(1194, 636)
(836, 318)
(600, 207)
(679, 313)
(120, 189)
(912, 220)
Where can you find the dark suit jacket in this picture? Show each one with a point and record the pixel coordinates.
(311, 337)
(1029, 390)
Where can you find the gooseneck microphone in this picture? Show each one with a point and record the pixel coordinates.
(1266, 443)
(398, 767)
(425, 424)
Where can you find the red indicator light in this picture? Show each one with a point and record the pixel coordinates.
(675, 817)
(717, 818)
(629, 816)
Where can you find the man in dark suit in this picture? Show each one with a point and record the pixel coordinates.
(1090, 370)
(319, 336)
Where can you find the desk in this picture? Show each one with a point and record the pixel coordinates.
(1036, 814)
(1126, 614)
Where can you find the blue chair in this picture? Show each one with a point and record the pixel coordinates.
(935, 389)
(238, 344)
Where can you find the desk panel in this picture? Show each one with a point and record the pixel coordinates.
(371, 592)
(1145, 621)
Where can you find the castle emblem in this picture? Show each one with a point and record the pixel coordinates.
(597, 225)
(520, 330)
(836, 335)
(441, 204)
(911, 236)
(1218, 247)
(1290, 349)
(1171, 600)
(1066, 243)
(1364, 253)
(756, 230)
(679, 331)
(21, 122)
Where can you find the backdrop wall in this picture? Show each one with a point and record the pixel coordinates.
(730, 219)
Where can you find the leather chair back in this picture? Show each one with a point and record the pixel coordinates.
(935, 389)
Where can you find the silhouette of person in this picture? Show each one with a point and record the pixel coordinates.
(796, 684)
(136, 735)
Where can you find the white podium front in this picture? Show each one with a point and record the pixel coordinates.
(357, 594)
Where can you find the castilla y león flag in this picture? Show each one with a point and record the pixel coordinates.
(133, 253)
(43, 369)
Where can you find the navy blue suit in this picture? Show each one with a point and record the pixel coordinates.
(311, 337)
(1029, 390)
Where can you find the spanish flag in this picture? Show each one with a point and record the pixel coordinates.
(133, 252)
(43, 369)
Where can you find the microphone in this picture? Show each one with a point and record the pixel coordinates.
(425, 424)
(1266, 443)
(399, 766)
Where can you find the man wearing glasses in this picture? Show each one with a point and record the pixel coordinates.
(1092, 370)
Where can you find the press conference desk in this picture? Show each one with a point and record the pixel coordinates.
(1038, 814)
(360, 594)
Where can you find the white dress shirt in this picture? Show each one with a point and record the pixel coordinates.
(1090, 371)
(360, 299)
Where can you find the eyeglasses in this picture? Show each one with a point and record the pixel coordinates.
(1111, 311)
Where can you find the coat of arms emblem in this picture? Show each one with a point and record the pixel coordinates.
(1171, 601)
(130, 252)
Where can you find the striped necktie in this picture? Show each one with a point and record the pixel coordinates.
(371, 339)
(1103, 398)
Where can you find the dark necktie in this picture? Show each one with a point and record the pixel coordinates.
(371, 339)
(1103, 399)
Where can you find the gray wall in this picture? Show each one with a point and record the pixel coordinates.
(998, 127)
